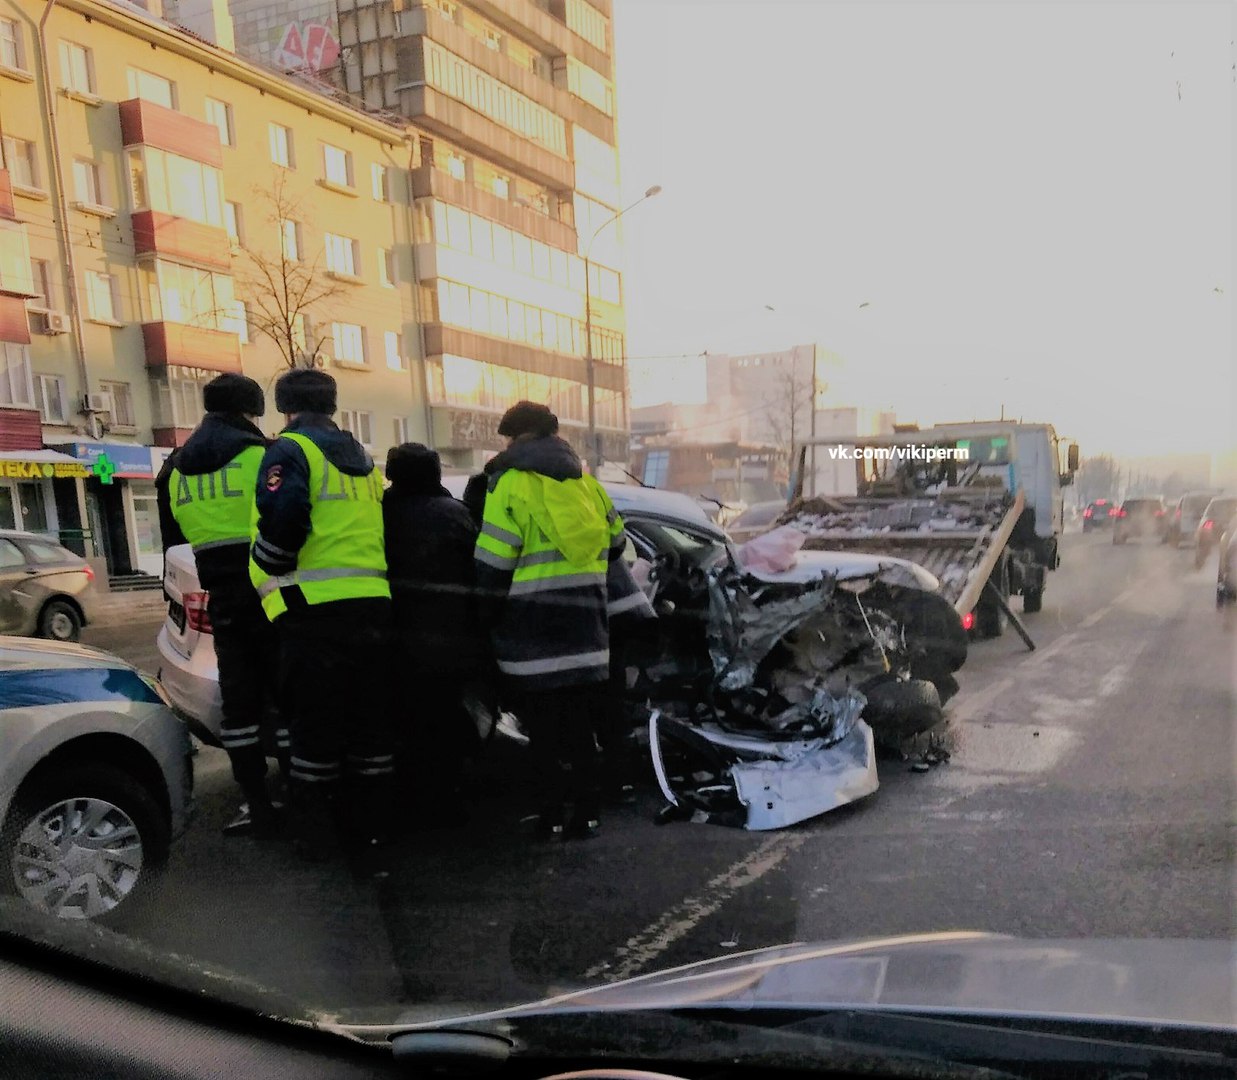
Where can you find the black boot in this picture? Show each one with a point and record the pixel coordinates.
(257, 817)
(585, 820)
(315, 830)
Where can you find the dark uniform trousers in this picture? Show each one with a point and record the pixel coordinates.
(562, 743)
(335, 674)
(245, 642)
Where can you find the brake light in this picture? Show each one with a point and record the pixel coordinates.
(1116, 513)
(196, 616)
(968, 621)
(1159, 513)
(1101, 502)
(1178, 513)
(88, 570)
(1087, 512)
(1208, 525)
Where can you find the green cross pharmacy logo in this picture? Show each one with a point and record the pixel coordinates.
(104, 468)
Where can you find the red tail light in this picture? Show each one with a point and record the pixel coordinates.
(1208, 525)
(1159, 513)
(196, 615)
(88, 570)
(1116, 513)
(968, 621)
(1087, 512)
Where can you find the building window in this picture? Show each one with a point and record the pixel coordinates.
(219, 116)
(122, 403)
(341, 254)
(21, 161)
(360, 425)
(76, 67)
(175, 185)
(387, 274)
(281, 146)
(457, 167)
(502, 186)
(400, 431)
(446, 8)
(16, 385)
(186, 399)
(233, 220)
(151, 87)
(394, 350)
(336, 165)
(349, 341)
(11, 45)
(101, 299)
(86, 182)
(380, 177)
(44, 284)
(194, 297)
(49, 392)
(290, 232)
(657, 468)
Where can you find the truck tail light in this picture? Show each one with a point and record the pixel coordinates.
(968, 621)
(196, 616)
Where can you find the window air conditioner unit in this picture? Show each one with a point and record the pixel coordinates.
(55, 322)
(99, 403)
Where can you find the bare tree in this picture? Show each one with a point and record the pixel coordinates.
(1098, 478)
(789, 405)
(283, 290)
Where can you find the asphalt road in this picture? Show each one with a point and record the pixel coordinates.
(1090, 794)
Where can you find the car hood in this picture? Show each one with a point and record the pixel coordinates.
(1172, 982)
(16, 652)
(848, 565)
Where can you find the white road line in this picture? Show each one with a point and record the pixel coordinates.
(677, 922)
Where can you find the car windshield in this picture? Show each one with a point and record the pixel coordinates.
(397, 403)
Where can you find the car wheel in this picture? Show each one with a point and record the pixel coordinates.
(1032, 600)
(60, 621)
(81, 842)
(899, 709)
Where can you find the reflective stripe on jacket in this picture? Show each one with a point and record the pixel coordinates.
(343, 556)
(546, 544)
(215, 509)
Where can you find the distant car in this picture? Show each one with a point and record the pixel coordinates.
(756, 520)
(188, 670)
(1184, 517)
(1145, 516)
(1215, 521)
(45, 589)
(1226, 575)
(1098, 514)
(96, 778)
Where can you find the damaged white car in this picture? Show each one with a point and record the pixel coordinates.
(768, 689)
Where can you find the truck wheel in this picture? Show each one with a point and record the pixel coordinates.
(1032, 600)
(897, 710)
(990, 620)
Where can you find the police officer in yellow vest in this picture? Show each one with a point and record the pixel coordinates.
(207, 490)
(319, 566)
(547, 537)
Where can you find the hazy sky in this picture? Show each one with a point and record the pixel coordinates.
(1034, 200)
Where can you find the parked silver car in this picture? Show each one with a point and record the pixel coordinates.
(44, 588)
(96, 778)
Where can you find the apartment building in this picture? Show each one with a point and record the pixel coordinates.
(169, 211)
(515, 186)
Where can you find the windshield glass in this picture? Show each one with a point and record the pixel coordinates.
(330, 360)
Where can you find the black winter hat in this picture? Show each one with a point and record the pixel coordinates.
(528, 418)
(415, 467)
(305, 390)
(236, 394)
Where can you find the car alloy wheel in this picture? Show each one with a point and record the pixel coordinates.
(78, 858)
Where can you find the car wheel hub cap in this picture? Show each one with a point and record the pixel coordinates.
(62, 625)
(78, 858)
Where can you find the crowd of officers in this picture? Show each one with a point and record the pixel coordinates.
(351, 618)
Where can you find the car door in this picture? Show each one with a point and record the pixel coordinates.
(14, 578)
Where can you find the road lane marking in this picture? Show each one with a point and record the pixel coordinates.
(679, 921)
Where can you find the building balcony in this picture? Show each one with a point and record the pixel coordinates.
(147, 124)
(442, 339)
(170, 437)
(20, 429)
(521, 17)
(170, 344)
(431, 183)
(442, 115)
(181, 240)
(419, 23)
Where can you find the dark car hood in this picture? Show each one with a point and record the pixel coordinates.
(1172, 982)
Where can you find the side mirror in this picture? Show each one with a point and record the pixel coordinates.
(1072, 456)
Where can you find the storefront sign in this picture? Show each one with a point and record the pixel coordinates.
(107, 460)
(42, 470)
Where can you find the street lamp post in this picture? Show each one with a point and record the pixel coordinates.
(594, 441)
